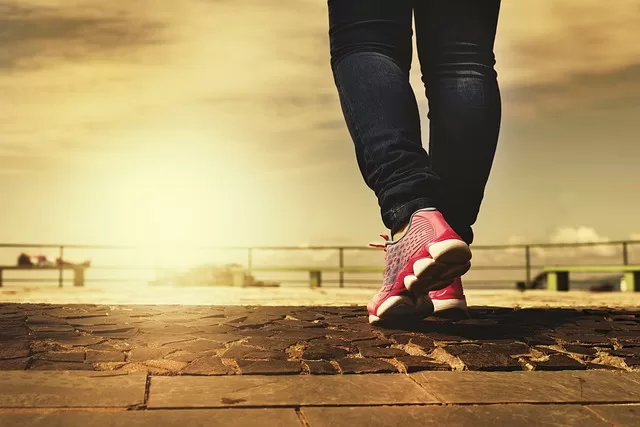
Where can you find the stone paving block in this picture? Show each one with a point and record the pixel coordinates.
(14, 364)
(319, 367)
(483, 358)
(619, 415)
(94, 356)
(48, 365)
(141, 354)
(269, 367)
(531, 387)
(580, 349)
(459, 416)
(13, 332)
(420, 363)
(323, 352)
(381, 352)
(559, 362)
(207, 365)
(365, 366)
(632, 361)
(194, 418)
(196, 346)
(28, 389)
(255, 390)
(61, 356)
(14, 349)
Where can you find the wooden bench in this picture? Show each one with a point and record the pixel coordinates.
(558, 275)
(78, 272)
(315, 273)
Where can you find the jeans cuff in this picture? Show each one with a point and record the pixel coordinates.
(397, 217)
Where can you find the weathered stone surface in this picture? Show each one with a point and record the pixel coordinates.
(323, 352)
(269, 367)
(626, 352)
(284, 417)
(14, 364)
(585, 338)
(104, 356)
(61, 356)
(471, 416)
(238, 351)
(14, 349)
(288, 390)
(425, 343)
(419, 363)
(531, 387)
(365, 366)
(196, 346)
(48, 365)
(618, 415)
(319, 367)
(381, 352)
(483, 358)
(559, 362)
(265, 355)
(25, 389)
(580, 349)
(207, 365)
(493, 339)
(140, 354)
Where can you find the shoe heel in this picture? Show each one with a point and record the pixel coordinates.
(451, 252)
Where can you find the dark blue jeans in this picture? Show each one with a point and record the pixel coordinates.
(371, 54)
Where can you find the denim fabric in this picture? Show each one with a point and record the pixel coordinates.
(371, 54)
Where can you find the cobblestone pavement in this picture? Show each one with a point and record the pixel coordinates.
(236, 340)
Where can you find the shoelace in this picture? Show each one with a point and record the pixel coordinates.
(384, 245)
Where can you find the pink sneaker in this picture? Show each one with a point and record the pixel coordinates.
(427, 258)
(450, 302)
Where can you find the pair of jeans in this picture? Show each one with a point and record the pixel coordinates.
(371, 54)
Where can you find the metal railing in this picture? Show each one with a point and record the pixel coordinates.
(527, 266)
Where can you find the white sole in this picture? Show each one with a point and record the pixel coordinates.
(399, 307)
(451, 259)
(451, 308)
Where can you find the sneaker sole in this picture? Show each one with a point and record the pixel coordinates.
(398, 308)
(451, 259)
(454, 309)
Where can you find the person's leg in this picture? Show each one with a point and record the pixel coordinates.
(455, 47)
(370, 59)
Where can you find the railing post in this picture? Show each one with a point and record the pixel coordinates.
(249, 260)
(625, 253)
(341, 258)
(527, 254)
(61, 269)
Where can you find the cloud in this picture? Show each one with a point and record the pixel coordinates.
(34, 36)
(572, 235)
(550, 41)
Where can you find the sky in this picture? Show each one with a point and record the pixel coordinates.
(217, 122)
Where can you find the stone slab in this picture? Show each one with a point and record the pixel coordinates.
(532, 387)
(619, 415)
(459, 416)
(194, 418)
(25, 389)
(237, 391)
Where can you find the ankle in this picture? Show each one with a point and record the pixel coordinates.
(400, 232)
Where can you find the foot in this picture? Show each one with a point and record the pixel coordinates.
(426, 258)
(430, 253)
(450, 302)
(394, 303)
